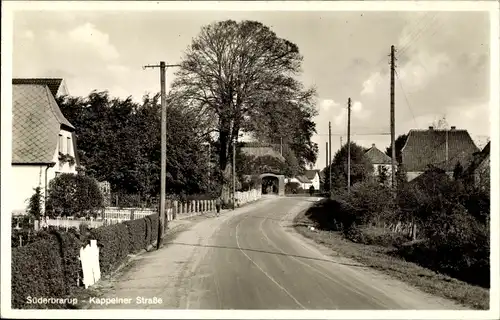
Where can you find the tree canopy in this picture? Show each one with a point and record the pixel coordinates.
(119, 141)
(361, 167)
(241, 77)
(399, 143)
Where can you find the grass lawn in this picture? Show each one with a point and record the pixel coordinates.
(379, 258)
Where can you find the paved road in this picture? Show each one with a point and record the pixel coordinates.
(252, 259)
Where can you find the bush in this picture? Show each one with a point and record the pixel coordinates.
(113, 242)
(35, 204)
(382, 237)
(74, 195)
(292, 187)
(37, 271)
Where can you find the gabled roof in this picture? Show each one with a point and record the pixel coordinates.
(310, 174)
(428, 147)
(257, 149)
(303, 179)
(478, 158)
(376, 156)
(36, 121)
(54, 84)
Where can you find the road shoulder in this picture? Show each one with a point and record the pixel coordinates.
(406, 276)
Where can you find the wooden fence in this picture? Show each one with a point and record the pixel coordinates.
(175, 210)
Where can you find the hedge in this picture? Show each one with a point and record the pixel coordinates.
(37, 271)
(137, 233)
(113, 243)
(50, 266)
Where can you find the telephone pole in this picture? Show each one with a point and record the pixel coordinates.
(330, 155)
(393, 133)
(234, 173)
(161, 214)
(326, 155)
(348, 145)
(340, 142)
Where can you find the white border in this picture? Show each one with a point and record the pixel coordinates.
(6, 70)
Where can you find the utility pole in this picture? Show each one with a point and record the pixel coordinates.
(340, 142)
(326, 155)
(162, 224)
(348, 145)
(330, 155)
(281, 146)
(234, 173)
(393, 133)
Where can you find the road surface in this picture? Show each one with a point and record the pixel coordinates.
(251, 258)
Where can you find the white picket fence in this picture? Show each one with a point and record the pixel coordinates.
(113, 215)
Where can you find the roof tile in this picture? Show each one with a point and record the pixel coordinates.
(36, 121)
(428, 147)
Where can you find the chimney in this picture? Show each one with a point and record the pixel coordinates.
(453, 128)
(373, 145)
(431, 128)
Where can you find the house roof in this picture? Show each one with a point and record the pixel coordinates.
(376, 156)
(257, 149)
(53, 83)
(310, 174)
(428, 147)
(303, 179)
(36, 121)
(478, 158)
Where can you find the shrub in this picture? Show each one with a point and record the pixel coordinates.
(74, 195)
(113, 242)
(382, 237)
(35, 204)
(137, 235)
(70, 244)
(292, 187)
(37, 271)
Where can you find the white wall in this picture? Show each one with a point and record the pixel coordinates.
(25, 178)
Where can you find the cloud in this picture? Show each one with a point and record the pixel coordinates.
(89, 36)
(327, 104)
(370, 84)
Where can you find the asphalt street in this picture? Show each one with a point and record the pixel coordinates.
(251, 258)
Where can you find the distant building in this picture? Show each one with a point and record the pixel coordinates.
(440, 148)
(379, 160)
(43, 142)
(308, 179)
(479, 168)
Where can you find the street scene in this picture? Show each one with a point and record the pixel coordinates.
(251, 160)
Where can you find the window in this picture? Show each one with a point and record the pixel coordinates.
(68, 146)
(61, 143)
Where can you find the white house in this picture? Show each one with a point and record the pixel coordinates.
(43, 141)
(308, 179)
(379, 160)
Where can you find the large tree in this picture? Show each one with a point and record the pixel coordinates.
(361, 167)
(239, 77)
(399, 143)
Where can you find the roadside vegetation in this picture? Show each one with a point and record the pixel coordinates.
(432, 232)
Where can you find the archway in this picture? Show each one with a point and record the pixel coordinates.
(272, 183)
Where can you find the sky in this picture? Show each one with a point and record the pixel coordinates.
(442, 67)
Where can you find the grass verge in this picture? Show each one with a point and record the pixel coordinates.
(380, 258)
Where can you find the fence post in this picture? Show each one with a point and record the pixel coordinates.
(132, 211)
(175, 209)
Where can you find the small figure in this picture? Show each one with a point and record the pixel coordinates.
(217, 205)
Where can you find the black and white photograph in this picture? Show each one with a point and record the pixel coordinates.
(290, 159)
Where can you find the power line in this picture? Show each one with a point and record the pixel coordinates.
(406, 97)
